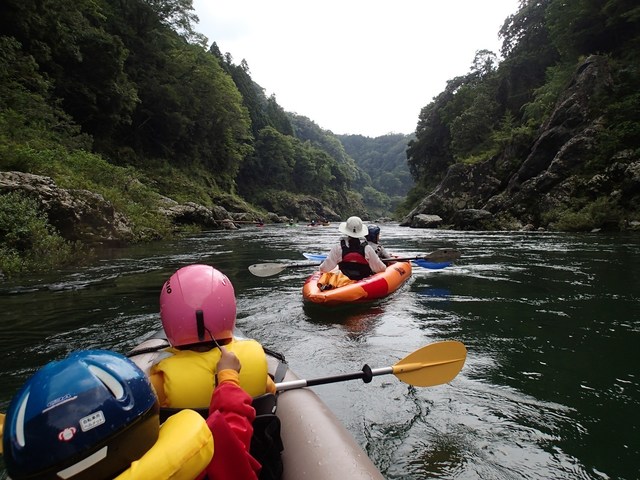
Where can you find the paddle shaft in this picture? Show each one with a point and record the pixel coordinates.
(430, 365)
(443, 255)
(406, 259)
(365, 374)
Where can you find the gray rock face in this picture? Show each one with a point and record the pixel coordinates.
(193, 213)
(81, 215)
(76, 214)
(503, 193)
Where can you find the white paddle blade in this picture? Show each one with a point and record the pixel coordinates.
(266, 269)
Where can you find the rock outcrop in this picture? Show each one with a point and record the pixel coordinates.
(81, 215)
(78, 215)
(507, 193)
(191, 213)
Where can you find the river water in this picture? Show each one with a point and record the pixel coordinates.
(550, 388)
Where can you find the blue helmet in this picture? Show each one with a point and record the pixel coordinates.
(374, 233)
(85, 417)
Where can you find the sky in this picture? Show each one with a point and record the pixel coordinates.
(354, 66)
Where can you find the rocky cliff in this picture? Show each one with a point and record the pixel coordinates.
(81, 215)
(523, 189)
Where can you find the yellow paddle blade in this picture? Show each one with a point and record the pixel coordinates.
(433, 364)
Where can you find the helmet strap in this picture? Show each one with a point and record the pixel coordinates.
(200, 324)
(201, 329)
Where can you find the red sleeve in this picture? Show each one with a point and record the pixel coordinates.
(234, 404)
(230, 421)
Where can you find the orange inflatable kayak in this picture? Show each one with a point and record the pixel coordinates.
(368, 289)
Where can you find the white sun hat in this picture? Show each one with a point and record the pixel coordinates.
(354, 228)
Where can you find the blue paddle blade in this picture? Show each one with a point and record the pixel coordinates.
(314, 256)
(432, 265)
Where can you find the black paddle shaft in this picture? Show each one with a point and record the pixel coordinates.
(366, 375)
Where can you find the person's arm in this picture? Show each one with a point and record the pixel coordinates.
(383, 253)
(230, 400)
(332, 260)
(230, 420)
(375, 263)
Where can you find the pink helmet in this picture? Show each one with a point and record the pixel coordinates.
(196, 303)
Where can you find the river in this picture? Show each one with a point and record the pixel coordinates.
(550, 388)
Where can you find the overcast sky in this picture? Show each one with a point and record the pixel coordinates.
(354, 66)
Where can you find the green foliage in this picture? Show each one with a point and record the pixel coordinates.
(582, 27)
(263, 111)
(285, 163)
(545, 96)
(278, 118)
(602, 213)
(27, 241)
(525, 30)
(528, 52)
(384, 159)
(27, 111)
(496, 112)
(124, 99)
(82, 170)
(189, 110)
(82, 60)
(471, 130)
(277, 156)
(178, 15)
(313, 162)
(621, 113)
(415, 195)
(429, 155)
(378, 204)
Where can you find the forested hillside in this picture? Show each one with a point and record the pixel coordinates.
(124, 110)
(126, 100)
(548, 138)
(385, 161)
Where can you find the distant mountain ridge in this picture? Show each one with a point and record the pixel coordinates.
(384, 159)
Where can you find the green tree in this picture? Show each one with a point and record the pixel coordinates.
(179, 16)
(582, 27)
(528, 51)
(84, 63)
(276, 153)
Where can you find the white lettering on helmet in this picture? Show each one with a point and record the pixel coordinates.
(92, 421)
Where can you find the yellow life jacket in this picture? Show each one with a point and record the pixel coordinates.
(331, 280)
(188, 376)
(183, 450)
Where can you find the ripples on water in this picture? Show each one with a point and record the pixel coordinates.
(550, 321)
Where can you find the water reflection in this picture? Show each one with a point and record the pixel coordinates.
(356, 321)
